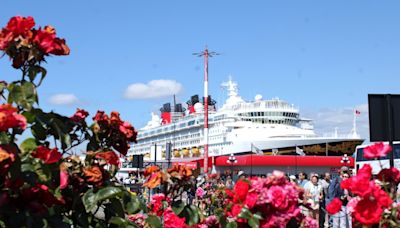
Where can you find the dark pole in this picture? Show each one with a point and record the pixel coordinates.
(251, 163)
(390, 125)
(155, 154)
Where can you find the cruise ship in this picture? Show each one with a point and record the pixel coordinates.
(267, 126)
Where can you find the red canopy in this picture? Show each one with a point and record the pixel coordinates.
(284, 160)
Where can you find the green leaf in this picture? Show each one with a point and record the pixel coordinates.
(24, 94)
(133, 206)
(108, 193)
(33, 72)
(38, 131)
(30, 116)
(119, 209)
(26, 167)
(253, 222)
(4, 138)
(232, 225)
(178, 207)
(28, 145)
(245, 213)
(191, 215)
(89, 200)
(118, 221)
(154, 221)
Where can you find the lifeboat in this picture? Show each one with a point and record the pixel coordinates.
(185, 152)
(177, 153)
(195, 152)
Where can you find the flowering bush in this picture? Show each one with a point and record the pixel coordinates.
(41, 182)
(373, 199)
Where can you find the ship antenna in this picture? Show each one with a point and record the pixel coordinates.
(205, 54)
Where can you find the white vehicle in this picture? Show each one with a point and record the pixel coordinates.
(377, 164)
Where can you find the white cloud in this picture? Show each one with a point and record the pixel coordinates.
(63, 99)
(153, 89)
(327, 119)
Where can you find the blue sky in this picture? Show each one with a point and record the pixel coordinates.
(323, 56)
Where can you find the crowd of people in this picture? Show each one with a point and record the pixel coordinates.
(319, 191)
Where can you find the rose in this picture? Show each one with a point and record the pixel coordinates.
(171, 220)
(110, 157)
(377, 150)
(277, 197)
(9, 118)
(20, 25)
(389, 175)
(79, 115)
(93, 174)
(241, 189)
(334, 206)
(48, 156)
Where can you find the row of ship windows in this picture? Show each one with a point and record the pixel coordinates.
(182, 125)
(177, 138)
(286, 114)
(264, 121)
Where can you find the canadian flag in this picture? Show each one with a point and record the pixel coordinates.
(357, 112)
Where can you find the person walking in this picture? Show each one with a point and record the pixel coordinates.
(302, 179)
(324, 216)
(313, 192)
(341, 219)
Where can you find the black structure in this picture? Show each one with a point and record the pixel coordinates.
(384, 119)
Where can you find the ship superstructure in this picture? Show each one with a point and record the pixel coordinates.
(266, 126)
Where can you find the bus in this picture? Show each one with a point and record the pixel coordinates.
(376, 164)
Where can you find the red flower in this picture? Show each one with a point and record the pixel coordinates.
(9, 118)
(47, 155)
(110, 157)
(377, 150)
(37, 196)
(366, 212)
(241, 189)
(236, 209)
(93, 174)
(20, 25)
(359, 184)
(60, 48)
(171, 220)
(101, 117)
(7, 158)
(334, 206)
(389, 175)
(63, 179)
(278, 197)
(251, 200)
(128, 130)
(79, 115)
(44, 39)
(6, 37)
(156, 203)
(115, 120)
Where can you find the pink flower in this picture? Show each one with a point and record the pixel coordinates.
(200, 192)
(309, 222)
(171, 220)
(63, 179)
(377, 150)
(277, 197)
(79, 115)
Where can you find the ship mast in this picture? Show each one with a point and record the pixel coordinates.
(206, 54)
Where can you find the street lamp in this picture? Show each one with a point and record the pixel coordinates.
(231, 160)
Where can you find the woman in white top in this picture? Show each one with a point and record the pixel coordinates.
(313, 194)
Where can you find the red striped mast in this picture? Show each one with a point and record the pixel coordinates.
(206, 54)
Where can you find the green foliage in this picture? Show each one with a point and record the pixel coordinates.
(23, 94)
(154, 221)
